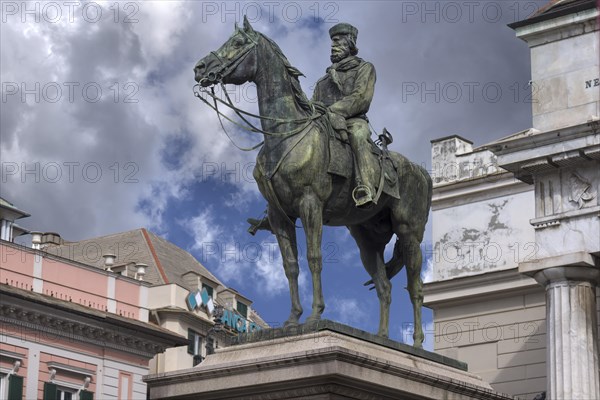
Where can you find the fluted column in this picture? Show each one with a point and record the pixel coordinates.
(572, 332)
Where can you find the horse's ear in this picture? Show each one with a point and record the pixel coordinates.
(236, 27)
(247, 27)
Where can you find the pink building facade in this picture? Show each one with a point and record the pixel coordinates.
(72, 331)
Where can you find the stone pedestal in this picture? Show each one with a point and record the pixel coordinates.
(572, 337)
(332, 362)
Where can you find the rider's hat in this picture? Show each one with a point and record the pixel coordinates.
(343, 28)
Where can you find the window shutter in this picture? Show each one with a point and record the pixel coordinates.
(209, 289)
(15, 387)
(242, 309)
(86, 395)
(50, 391)
(191, 341)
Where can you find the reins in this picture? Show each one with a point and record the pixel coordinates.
(217, 77)
(249, 126)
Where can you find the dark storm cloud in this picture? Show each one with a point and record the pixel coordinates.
(423, 52)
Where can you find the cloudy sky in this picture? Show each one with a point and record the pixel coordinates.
(100, 131)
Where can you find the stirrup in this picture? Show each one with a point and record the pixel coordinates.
(256, 225)
(362, 195)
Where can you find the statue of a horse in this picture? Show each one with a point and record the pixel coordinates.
(291, 172)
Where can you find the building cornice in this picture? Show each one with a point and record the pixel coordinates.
(546, 151)
(469, 287)
(14, 211)
(70, 368)
(542, 140)
(481, 188)
(559, 14)
(39, 313)
(451, 137)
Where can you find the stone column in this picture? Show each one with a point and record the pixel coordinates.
(572, 332)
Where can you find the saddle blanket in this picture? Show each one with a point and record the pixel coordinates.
(341, 163)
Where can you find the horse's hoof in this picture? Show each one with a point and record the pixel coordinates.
(290, 323)
(384, 335)
(312, 322)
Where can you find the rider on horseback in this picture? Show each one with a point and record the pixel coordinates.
(347, 90)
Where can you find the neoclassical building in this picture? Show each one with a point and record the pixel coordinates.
(516, 227)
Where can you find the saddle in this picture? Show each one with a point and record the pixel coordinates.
(341, 161)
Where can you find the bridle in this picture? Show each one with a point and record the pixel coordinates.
(216, 77)
(227, 67)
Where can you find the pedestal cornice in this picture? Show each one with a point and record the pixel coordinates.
(320, 365)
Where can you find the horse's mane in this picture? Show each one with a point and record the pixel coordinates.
(294, 73)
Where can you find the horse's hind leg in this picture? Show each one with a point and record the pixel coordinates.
(371, 254)
(286, 238)
(413, 258)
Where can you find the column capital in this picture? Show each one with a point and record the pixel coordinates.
(576, 267)
(573, 274)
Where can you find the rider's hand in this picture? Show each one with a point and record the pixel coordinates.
(337, 121)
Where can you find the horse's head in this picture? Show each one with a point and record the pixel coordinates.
(234, 62)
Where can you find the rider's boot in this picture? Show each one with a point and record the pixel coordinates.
(363, 192)
(256, 225)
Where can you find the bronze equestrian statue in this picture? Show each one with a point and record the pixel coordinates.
(305, 168)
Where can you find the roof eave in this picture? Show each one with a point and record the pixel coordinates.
(551, 14)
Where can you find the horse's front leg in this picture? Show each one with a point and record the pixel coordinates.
(311, 214)
(286, 238)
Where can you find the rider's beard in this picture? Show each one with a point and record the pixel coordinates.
(338, 53)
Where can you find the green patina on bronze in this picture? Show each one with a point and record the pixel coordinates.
(305, 169)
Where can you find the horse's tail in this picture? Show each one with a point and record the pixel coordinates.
(396, 263)
(429, 191)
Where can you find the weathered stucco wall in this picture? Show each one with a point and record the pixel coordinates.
(481, 213)
(483, 235)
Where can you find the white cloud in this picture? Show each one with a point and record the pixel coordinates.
(428, 273)
(204, 228)
(348, 311)
(163, 24)
(241, 263)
